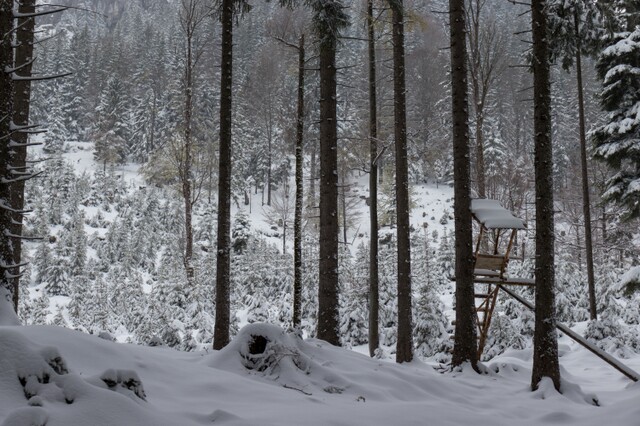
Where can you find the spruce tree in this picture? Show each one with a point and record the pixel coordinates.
(618, 140)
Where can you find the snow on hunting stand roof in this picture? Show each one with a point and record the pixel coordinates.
(493, 216)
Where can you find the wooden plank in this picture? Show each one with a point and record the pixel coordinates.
(630, 373)
(490, 262)
(528, 282)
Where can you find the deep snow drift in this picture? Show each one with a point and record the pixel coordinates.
(58, 377)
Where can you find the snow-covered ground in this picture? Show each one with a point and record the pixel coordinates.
(58, 377)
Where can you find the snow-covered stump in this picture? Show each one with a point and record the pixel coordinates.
(284, 358)
(267, 348)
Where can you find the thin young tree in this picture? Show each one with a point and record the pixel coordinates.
(404, 352)
(192, 16)
(465, 348)
(487, 50)
(578, 27)
(545, 343)
(299, 177)
(374, 298)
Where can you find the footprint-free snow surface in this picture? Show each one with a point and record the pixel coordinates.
(58, 377)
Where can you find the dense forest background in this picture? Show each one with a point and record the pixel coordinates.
(113, 259)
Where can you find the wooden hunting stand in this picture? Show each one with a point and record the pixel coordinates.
(491, 259)
(490, 263)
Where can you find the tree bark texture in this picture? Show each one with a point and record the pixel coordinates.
(21, 104)
(374, 298)
(297, 220)
(545, 349)
(189, 27)
(404, 351)
(223, 266)
(465, 347)
(586, 201)
(327, 328)
(7, 153)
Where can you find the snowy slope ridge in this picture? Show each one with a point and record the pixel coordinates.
(54, 376)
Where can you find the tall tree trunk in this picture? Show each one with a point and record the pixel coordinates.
(186, 172)
(586, 202)
(545, 343)
(404, 352)
(223, 265)
(312, 178)
(465, 347)
(7, 154)
(374, 337)
(21, 107)
(343, 201)
(328, 323)
(297, 221)
(480, 174)
(269, 160)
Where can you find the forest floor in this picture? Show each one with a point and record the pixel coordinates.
(293, 382)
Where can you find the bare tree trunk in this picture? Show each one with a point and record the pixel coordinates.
(297, 225)
(343, 201)
(327, 328)
(269, 160)
(374, 337)
(223, 266)
(189, 25)
(465, 347)
(21, 107)
(404, 352)
(478, 105)
(586, 202)
(545, 343)
(7, 154)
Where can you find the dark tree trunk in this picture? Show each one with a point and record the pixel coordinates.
(269, 161)
(223, 266)
(480, 173)
(21, 106)
(545, 343)
(7, 154)
(374, 337)
(465, 347)
(404, 351)
(586, 202)
(297, 221)
(343, 201)
(188, 24)
(329, 227)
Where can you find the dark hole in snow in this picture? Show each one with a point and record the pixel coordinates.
(257, 345)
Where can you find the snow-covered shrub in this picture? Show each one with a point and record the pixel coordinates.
(503, 334)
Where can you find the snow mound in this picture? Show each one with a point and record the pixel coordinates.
(284, 358)
(7, 314)
(37, 388)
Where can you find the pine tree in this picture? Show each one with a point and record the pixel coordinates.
(618, 141)
(57, 278)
